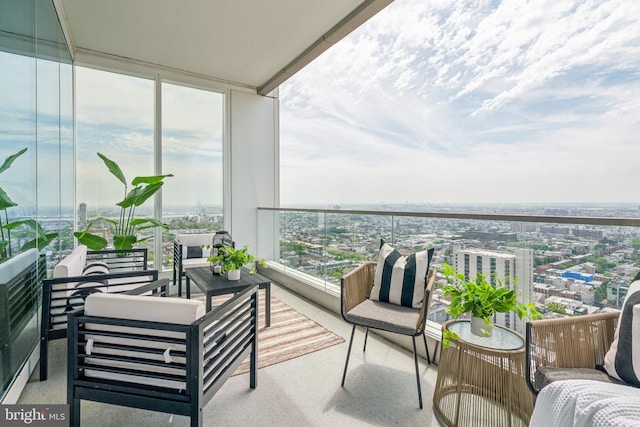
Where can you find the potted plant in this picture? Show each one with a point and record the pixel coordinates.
(232, 260)
(481, 300)
(127, 227)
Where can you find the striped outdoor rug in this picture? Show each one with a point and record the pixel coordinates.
(290, 335)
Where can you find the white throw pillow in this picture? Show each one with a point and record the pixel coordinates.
(401, 280)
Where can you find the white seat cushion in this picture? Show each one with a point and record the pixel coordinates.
(195, 239)
(141, 307)
(147, 308)
(195, 262)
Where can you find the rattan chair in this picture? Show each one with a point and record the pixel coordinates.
(356, 287)
(568, 348)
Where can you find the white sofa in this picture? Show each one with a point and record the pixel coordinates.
(158, 354)
(587, 368)
(586, 403)
(80, 274)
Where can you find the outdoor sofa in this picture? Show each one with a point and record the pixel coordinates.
(80, 274)
(156, 353)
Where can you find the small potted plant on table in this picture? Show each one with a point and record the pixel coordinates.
(481, 300)
(232, 260)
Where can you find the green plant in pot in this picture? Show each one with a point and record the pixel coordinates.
(127, 228)
(481, 300)
(232, 260)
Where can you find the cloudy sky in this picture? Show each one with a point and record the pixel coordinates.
(475, 101)
(192, 137)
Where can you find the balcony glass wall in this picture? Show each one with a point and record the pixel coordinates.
(114, 117)
(36, 132)
(192, 121)
(572, 266)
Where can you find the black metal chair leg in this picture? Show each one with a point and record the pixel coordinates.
(426, 348)
(44, 362)
(366, 335)
(415, 359)
(346, 362)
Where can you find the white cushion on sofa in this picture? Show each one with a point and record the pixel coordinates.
(73, 264)
(195, 262)
(123, 284)
(132, 307)
(14, 265)
(194, 239)
(586, 403)
(141, 307)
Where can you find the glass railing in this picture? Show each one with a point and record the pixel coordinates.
(566, 265)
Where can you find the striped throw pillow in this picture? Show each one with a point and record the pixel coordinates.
(400, 280)
(622, 361)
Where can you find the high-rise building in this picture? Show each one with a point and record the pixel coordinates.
(82, 216)
(516, 268)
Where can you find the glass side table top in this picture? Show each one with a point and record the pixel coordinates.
(500, 339)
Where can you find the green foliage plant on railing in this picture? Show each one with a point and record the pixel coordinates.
(127, 228)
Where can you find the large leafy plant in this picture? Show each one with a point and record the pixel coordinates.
(127, 227)
(234, 259)
(41, 239)
(481, 299)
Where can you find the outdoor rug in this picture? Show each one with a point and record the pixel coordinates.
(290, 335)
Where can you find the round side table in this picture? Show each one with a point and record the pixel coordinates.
(481, 379)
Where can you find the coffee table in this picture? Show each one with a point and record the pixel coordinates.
(215, 284)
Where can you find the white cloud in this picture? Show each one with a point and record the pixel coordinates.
(469, 101)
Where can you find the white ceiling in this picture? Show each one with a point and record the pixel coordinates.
(254, 43)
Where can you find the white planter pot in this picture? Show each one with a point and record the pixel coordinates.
(478, 324)
(233, 275)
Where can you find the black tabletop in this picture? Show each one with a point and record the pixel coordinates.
(216, 284)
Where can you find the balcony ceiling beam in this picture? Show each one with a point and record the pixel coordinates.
(357, 17)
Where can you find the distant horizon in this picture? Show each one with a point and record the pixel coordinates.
(637, 204)
(379, 203)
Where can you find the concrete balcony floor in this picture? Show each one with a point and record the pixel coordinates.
(380, 388)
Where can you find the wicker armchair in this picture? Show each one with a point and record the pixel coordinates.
(356, 287)
(568, 348)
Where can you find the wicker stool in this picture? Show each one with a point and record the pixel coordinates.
(481, 379)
